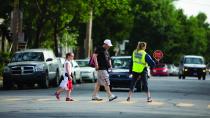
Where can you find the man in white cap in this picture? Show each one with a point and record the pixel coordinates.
(102, 64)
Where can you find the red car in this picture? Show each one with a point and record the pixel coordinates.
(160, 70)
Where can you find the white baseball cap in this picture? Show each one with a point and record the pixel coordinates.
(108, 42)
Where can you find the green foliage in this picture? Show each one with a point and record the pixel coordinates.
(113, 19)
(69, 39)
(5, 58)
(48, 22)
(168, 29)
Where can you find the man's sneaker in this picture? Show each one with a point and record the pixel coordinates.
(149, 99)
(57, 95)
(96, 98)
(112, 97)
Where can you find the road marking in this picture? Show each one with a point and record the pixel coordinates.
(127, 102)
(13, 99)
(155, 103)
(185, 105)
(45, 99)
(209, 106)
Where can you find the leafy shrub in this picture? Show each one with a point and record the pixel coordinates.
(4, 57)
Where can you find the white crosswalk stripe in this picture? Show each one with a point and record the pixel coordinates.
(185, 105)
(126, 102)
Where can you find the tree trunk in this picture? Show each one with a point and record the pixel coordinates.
(55, 37)
(38, 36)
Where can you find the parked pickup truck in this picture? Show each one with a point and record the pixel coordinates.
(31, 66)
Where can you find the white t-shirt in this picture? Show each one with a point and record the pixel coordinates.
(65, 70)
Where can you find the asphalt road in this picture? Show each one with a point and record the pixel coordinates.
(172, 98)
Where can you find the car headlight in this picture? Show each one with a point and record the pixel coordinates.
(204, 70)
(39, 67)
(6, 69)
(185, 69)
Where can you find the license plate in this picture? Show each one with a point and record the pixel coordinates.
(194, 73)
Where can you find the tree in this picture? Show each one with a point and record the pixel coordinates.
(51, 18)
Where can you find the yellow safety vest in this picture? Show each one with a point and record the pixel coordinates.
(139, 62)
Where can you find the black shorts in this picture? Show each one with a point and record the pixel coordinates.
(141, 77)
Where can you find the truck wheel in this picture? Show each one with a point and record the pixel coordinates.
(45, 82)
(56, 79)
(183, 77)
(199, 77)
(7, 84)
(204, 77)
(180, 77)
(20, 86)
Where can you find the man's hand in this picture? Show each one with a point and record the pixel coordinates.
(97, 67)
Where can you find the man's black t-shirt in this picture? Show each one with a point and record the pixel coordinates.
(102, 58)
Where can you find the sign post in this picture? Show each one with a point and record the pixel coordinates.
(158, 55)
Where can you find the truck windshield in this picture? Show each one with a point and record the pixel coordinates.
(28, 56)
(193, 61)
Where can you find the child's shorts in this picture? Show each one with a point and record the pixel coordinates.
(66, 84)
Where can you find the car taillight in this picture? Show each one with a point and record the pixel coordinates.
(165, 70)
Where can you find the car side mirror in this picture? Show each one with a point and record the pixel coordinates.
(76, 66)
(49, 59)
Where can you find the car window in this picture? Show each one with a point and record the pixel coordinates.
(83, 63)
(28, 56)
(50, 54)
(74, 64)
(161, 66)
(121, 63)
(193, 61)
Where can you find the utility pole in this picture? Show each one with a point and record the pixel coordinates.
(16, 26)
(88, 40)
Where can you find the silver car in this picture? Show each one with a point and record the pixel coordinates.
(87, 72)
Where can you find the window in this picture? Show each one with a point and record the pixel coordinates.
(28, 56)
(193, 61)
(83, 63)
(121, 63)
